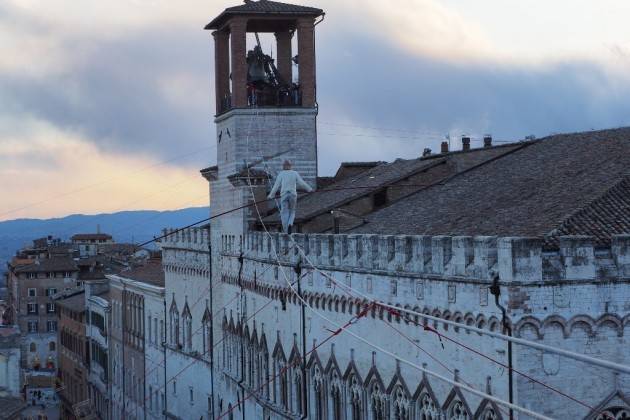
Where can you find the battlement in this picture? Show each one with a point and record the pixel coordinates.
(195, 238)
(516, 259)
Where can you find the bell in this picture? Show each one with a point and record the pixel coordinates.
(255, 68)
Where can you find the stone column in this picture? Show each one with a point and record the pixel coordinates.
(238, 29)
(306, 57)
(283, 48)
(221, 67)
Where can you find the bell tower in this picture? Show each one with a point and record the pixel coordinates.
(266, 107)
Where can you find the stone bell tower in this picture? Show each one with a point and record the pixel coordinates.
(264, 112)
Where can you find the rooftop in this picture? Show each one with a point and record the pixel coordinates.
(378, 175)
(567, 184)
(262, 8)
(52, 264)
(91, 236)
(74, 302)
(151, 272)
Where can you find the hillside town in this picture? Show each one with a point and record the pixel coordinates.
(486, 280)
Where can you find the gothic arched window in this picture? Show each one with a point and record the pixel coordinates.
(614, 413)
(174, 323)
(207, 339)
(319, 394)
(377, 400)
(400, 404)
(457, 410)
(187, 330)
(427, 407)
(299, 400)
(355, 398)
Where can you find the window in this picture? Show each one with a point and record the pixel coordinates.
(31, 308)
(31, 275)
(149, 324)
(151, 398)
(51, 326)
(51, 291)
(32, 292)
(156, 339)
(394, 287)
(419, 289)
(49, 275)
(379, 199)
(191, 395)
(174, 387)
(52, 346)
(50, 308)
(32, 326)
(162, 338)
(33, 347)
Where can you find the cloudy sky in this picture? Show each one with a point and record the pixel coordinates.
(106, 105)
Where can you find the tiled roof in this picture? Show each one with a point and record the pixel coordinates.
(91, 236)
(563, 184)
(383, 174)
(264, 7)
(48, 265)
(76, 302)
(151, 272)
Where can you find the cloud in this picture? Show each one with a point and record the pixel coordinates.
(130, 82)
(46, 172)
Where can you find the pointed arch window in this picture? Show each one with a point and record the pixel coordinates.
(355, 397)
(205, 322)
(616, 413)
(400, 404)
(377, 400)
(335, 396)
(457, 410)
(174, 323)
(319, 393)
(187, 328)
(427, 407)
(299, 399)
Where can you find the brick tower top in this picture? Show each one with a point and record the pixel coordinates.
(252, 79)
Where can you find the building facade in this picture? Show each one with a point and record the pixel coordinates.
(98, 334)
(188, 345)
(73, 353)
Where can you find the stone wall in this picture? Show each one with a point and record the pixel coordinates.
(574, 298)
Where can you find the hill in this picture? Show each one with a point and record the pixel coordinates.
(126, 226)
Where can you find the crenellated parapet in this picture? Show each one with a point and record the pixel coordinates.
(516, 259)
(195, 239)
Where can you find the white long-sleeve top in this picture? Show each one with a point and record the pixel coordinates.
(288, 181)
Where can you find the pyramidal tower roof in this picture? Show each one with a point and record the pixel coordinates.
(263, 7)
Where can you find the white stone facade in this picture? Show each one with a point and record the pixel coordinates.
(186, 259)
(579, 304)
(153, 351)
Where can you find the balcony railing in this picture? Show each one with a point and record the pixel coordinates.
(266, 98)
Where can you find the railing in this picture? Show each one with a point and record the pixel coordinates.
(269, 98)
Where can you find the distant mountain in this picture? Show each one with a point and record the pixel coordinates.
(126, 226)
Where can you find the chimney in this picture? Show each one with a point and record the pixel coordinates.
(444, 147)
(487, 140)
(465, 143)
(426, 152)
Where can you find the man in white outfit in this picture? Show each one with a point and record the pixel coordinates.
(288, 181)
